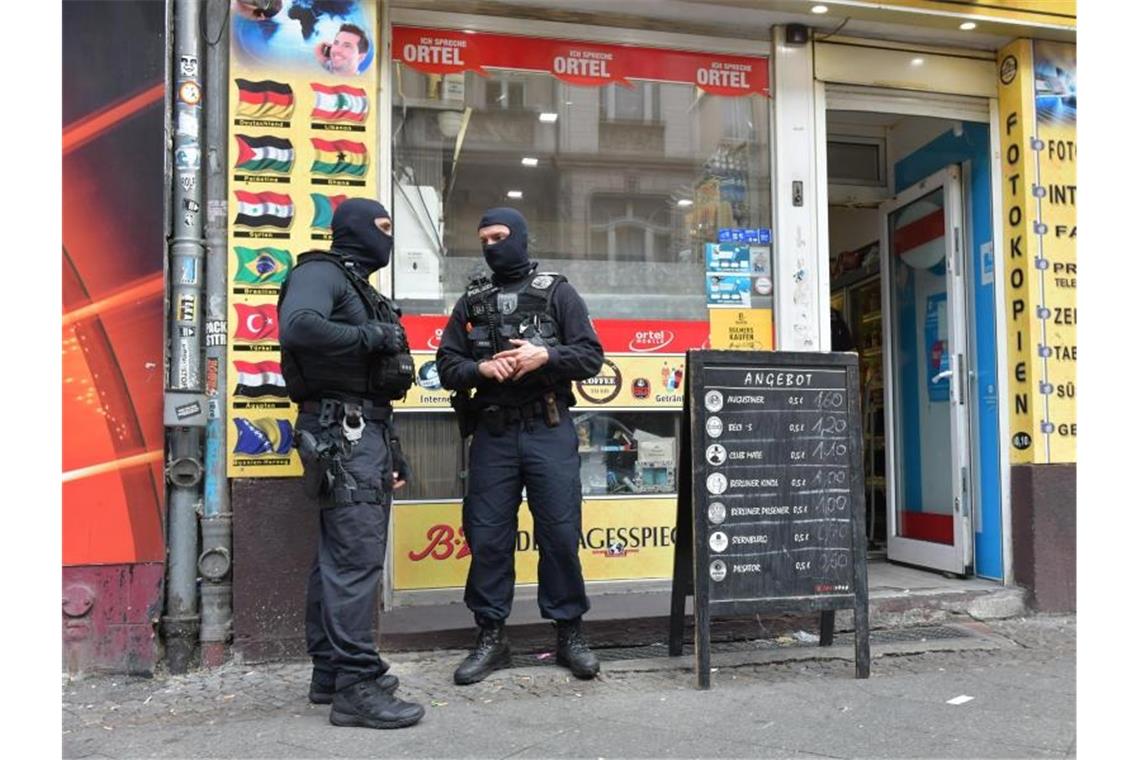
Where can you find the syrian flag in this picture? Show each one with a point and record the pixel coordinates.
(256, 323)
(264, 154)
(257, 379)
(264, 100)
(268, 435)
(339, 157)
(264, 209)
(262, 266)
(340, 103)
(324, 206)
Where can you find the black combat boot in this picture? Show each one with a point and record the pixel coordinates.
(573, 651)
(365, 704)
(322, 686)
(492, 652)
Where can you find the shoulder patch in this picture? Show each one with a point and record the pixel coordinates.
(542, 282)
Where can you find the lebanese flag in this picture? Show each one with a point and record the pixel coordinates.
(256, 323)
(257, 379)
(263, 209)
(340, 103)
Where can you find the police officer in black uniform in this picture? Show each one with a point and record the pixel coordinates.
(345, 358)
(518, 340)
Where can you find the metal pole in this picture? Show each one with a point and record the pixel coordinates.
(187, 254)
(215, 563)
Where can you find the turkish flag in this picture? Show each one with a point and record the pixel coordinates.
(256, 323)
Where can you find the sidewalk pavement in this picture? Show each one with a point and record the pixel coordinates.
(1002, 689)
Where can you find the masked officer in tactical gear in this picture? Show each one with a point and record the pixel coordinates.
(345, 358)
(519, 339)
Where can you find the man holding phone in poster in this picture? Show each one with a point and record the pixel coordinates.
(346, 51)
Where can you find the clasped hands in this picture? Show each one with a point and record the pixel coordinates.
(514, 363)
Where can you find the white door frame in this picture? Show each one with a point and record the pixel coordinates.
(955, 558)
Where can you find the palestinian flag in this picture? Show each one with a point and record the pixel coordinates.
(339, 157)
(267, 435)
(324, 206)
(257, 379)
(264, 209)
(262, 266)
(339, 103)
(264, 154)
(264, 100)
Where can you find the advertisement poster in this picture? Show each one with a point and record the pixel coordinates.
(302, 140)
(742, 329)
(643, 369)
(112, 290)
(583, 64)
(1038, 101)
(620, 539)
(728, 290)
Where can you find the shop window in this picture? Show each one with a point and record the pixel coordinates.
(627, 452)
(560, 150)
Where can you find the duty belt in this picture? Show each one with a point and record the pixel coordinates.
(331, 407)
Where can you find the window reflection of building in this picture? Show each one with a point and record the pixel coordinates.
(621, 189)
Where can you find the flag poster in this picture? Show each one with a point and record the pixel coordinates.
(302, 140)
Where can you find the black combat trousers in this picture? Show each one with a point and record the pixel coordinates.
(545, 460)
(340, 609)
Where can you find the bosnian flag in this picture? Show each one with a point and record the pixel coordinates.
(339, 103)
(257, 379)
(264, 209)
(264, 154)
(256, 323)
(267, 435)
(339, 157)
(323, 208)
(264, 100)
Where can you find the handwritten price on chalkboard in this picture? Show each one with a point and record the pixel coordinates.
(829, 400)
(829, 424)
(825, 449)
(832, 504)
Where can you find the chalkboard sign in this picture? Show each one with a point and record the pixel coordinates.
(770, 494)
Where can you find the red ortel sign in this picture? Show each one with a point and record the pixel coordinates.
(441, 51)
(618, 336)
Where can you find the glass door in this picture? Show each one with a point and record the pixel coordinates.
(923, 284)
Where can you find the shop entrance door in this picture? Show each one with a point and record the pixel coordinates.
(927, 404)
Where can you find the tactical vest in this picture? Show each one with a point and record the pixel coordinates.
(383, 377)
(515, 310)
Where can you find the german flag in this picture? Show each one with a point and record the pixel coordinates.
(264, 100)
(339, 157)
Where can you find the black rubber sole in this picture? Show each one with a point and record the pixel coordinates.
(577, 674)
(500, 664)
(360, 721)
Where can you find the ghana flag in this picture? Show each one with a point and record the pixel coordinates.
(264, 154)
(262, 266)
(263, 209)
(340, 103)
(323, 208)
(264, 100)
(339, 157)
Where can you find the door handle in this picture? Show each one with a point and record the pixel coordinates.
(942, 376)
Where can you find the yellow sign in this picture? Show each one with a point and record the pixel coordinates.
(626, 381)
(621, 539)
(302, 139)
(745, 329)
(1037, 99)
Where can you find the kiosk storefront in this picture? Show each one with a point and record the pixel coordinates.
(683, 175)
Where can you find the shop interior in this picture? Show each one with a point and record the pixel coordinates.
(863, 148)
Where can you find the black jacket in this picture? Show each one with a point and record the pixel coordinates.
(578, 357)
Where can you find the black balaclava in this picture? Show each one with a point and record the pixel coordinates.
(356, 235)
(507, 258)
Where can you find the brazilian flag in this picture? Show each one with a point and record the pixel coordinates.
(262, 266)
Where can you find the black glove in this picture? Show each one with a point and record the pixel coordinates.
(384, 338)
(400, 464)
